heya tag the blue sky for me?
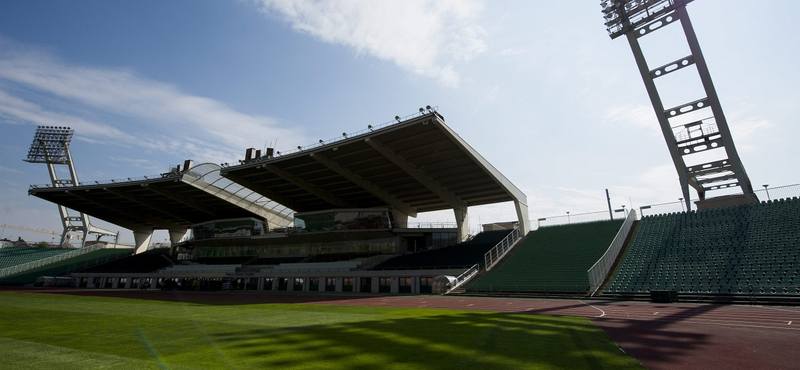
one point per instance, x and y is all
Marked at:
(537, 87)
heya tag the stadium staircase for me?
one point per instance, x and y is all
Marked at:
(746, 253)
(550, 261)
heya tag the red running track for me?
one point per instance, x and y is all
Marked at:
(660, 336)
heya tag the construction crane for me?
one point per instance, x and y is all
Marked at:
(32, 229)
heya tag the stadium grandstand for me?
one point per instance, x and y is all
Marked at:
(354, 236)
(328, 217)
(334, 216)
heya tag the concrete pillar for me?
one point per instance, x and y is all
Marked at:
(415, 285)
(176, 236)
(395, 287)
(322, 284)
(260, 284)
(142, 239)
(400, 218)
(114, 283)
(154, 282)
(275, 283)
(128, 282)
(522, 216)
(376, 287)
(462, 223)
(338, 286)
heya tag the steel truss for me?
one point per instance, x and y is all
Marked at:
(51, 147)
(702, 149)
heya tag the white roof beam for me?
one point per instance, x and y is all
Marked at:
(309, 187)
(366, 185)
(434, 186)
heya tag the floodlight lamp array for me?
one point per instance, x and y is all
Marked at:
(50, 145)
(622, 16)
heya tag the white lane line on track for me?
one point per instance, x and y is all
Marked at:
(780, 309)
(601, 315)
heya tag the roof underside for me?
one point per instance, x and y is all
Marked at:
(173, 202)
(415, 166)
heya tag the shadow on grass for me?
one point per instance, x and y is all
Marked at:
(426, 340)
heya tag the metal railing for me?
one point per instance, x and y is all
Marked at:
(345, 136)
(764, 194)
(575, 218)
(465, 277)
(501, 249)
(49, 260)
(426, 225)
(598, 272)
(112, 181)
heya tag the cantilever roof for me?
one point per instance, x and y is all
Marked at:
(172, 201)
(418, 165)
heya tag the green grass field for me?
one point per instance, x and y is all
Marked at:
(39, 331)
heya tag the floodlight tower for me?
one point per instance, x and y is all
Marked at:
(696, 131)
(51, 147)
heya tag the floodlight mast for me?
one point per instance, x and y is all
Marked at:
(51, 147)
(718, 167)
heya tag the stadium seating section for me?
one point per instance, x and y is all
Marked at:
(550, 259)
(462, 255)
(149, 261)
(13, 256)
(746, 249)
(68, 265)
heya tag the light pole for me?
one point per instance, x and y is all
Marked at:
(767, 190)
(680, 200)
(568, 221)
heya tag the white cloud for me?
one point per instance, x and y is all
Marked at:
(16, 110)
(165, 118)
(639, 117)
(746, 133)
(9, 170)
(426, 37)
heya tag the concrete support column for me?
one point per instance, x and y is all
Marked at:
(395, 287)
(142, 239)
(415, 285)
(176, 236)
(153, 282)
(339, 284)
(522, 216)
(260, 285)
(400, 218)
(462, 223)
(128, 282)
(275, 283)
(322, 284)
(376, 284)
(114, 283)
